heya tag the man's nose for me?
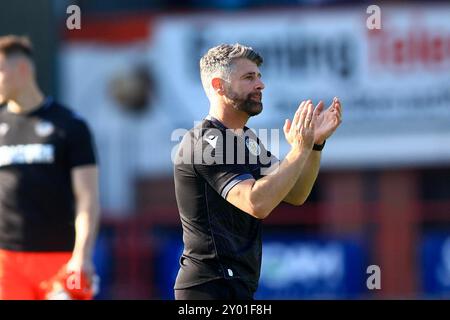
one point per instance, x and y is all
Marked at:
(260, 85)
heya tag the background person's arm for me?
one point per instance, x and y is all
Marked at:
(85, 186)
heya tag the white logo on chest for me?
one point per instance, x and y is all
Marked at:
(4, 128)
(253, 146)
(44, 128)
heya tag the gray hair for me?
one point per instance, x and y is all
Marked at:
(219, 61)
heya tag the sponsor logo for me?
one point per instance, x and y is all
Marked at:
(212, 140)
(27, 154)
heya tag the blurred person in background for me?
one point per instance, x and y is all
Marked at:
(221, 203)
(49, 210)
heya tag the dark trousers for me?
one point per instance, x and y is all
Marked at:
(220, 289)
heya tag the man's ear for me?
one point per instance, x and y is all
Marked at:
(24, 67)
(217, 86)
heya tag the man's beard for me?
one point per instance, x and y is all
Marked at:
(247, 104)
